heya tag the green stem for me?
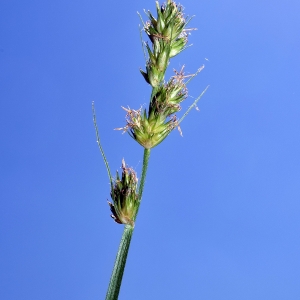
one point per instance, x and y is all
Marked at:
(117, 274)
(143, 178)
(144, 172)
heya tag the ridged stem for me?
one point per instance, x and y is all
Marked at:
(117, 274)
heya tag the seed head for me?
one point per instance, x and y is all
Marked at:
(125, 197)
(168, 36)
(150, 129)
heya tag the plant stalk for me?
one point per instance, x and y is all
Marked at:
(144, 172)
(120, 262)
(117, 274)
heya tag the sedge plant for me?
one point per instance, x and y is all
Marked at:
(168, 37)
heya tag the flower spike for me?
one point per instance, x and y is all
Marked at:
(125, 197)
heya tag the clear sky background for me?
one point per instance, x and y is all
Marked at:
(221, 206)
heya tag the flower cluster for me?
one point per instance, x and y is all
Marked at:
(151, 129)
(168, 36)
(124, 196)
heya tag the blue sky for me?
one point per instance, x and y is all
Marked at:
(220, 212)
